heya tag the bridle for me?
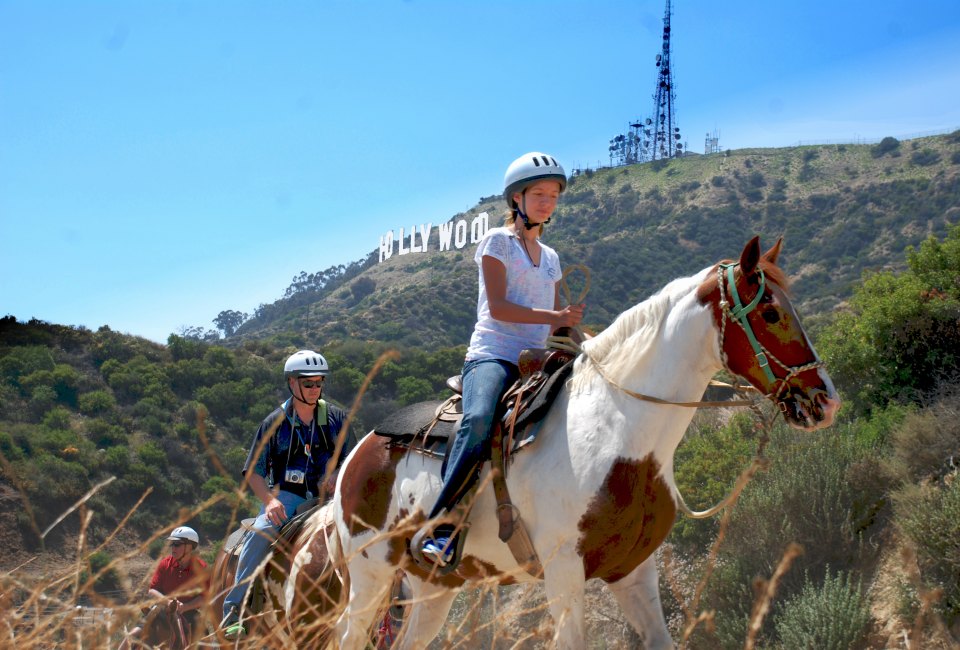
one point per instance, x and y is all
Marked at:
(738, 314)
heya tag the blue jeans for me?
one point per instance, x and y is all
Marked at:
(484, 381)
(255, 549)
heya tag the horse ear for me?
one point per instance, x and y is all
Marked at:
(772, 254)
(750, 256)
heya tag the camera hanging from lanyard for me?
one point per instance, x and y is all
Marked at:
(296, 471)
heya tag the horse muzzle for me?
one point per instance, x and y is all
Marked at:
(809, 410)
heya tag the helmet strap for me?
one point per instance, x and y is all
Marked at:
(299, 398)
(523, 215)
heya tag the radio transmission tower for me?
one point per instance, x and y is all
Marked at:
(665, 142)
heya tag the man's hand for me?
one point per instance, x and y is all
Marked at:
(276, 513)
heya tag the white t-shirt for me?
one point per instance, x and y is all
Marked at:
(527, 285)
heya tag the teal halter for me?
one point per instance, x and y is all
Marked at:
(739, 313)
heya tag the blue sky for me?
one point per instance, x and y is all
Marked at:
(163, 161)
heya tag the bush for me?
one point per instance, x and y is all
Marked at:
(925, 157)
(42, 399)
(96, 402)
(885, 146)
(414, 389)
(929, 516)
(25, 360)
(808, 496)
(707, 464)
(57, 418)
(900, 340)
(110, 579)
(833, 616)
(104, 434)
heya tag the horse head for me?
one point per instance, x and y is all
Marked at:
(162, 627)
(762, 340)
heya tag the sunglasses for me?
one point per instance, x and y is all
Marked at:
(312, 384)
(177, 544)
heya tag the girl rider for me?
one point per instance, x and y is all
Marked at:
(518, 307)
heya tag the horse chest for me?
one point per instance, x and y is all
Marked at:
(626, 520)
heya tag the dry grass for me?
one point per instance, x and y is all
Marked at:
(63, 609)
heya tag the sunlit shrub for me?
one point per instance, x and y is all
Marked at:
(96, 402)
(929, 515)
(834, 615)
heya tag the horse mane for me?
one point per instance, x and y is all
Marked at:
(621, 346)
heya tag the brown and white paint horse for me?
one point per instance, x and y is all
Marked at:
(596, 490)
(301, 587)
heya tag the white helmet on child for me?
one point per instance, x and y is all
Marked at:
(185, 534)
(529, 169)
(305, 363)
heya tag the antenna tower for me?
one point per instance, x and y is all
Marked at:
(663, 126)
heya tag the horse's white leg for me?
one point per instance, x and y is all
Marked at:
(369, 584)
(639, 596)
(564, 583)
(425, 617)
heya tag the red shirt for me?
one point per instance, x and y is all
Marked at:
(171, 576)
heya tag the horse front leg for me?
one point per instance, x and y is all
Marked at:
(425, 616)
(638, 594)
(564, 583)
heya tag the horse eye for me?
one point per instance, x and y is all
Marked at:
(771, 316)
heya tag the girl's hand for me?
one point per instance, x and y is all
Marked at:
(569, 316)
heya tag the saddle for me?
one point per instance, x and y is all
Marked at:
(288, 530)
(428, 428)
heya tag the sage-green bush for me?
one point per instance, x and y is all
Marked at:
(834, 615)
(929, 516)
(811, 495)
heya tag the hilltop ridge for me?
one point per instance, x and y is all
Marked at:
(842, 210)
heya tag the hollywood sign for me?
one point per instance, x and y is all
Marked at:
(450, 235)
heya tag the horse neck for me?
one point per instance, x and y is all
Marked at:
(665, 347)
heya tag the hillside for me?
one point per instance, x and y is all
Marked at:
(842, 209)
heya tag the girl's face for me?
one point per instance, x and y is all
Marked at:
(539, 200)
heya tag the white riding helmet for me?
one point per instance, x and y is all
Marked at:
(527, 170)
(305, 363)
(185, 533)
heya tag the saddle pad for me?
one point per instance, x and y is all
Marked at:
(235, 540)
(413, 420)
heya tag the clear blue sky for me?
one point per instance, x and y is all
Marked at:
(163, 161)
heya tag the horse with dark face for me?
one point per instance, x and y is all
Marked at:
(596, 489)
(163, 627)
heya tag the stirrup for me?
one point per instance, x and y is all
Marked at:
(416, 546)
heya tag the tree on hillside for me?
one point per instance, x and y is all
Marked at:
(229, 320)
(901, 338)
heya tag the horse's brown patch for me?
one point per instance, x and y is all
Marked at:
(318, 586)
(626, 520)
(368, 483)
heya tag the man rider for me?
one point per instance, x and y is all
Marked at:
(301, 438)
(181, 576)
